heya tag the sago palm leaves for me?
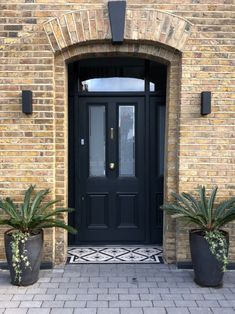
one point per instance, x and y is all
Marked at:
(33, 214)
(202, 211)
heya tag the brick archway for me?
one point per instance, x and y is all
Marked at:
(148, 34)
(141, 24)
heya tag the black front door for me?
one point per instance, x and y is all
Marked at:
(110, 169)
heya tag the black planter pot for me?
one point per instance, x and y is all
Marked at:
(207, 269)
(33, 246)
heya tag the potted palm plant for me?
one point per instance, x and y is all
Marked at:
(208, 242)
(24, 241)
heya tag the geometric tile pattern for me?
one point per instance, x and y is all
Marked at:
(115, 255)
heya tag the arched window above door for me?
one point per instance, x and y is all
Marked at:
(120, 75)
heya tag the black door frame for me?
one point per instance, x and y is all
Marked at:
(73, 101)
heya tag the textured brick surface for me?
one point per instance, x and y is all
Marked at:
(195, 38)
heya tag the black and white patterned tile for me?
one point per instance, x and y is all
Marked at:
(115, 255)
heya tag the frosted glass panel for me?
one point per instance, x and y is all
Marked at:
(97, 141)
(126, 140)
(113, 84)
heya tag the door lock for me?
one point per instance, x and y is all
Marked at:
(111, 165)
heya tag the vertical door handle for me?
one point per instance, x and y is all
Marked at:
(111, 133)
(111, 165)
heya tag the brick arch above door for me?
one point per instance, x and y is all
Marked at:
(141, 24)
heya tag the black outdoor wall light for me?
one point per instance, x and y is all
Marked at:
(27, 101)
(117, 14)
(205, 103)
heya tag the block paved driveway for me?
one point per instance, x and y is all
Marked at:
(116, 289)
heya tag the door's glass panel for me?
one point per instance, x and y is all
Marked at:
(127, 141)
(97, 141)
(113, 84)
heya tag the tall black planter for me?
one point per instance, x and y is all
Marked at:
(207, 269)
(34, 246)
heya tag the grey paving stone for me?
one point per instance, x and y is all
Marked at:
(38, 311)
(164, 303)
(131, 311)
(228, 310)
(60, 279)
(23, 297)
(184, 303)
(31, 304)
(48, 285)
(77, 291)
(119, 304)
(107, 297)
(97, 291)
(85, 311)
(65, 297)
(108, 311)
(118, 291)
(193, 296)
(99, 279)
(154, 310)
(93, 285)
(53, 304)
(141, 303)
(44, 297)
(15, 311)
(6, 297)
(56, 291)
(210, 303)
(108, 285)
(77, 304)
(200, 310)
(9, 304)
(214, 296)
(138, 290)
(129, 297)
(117, 279)
(87, 297)
(62, 311)
(227, 303)
(97, 304)
(173, 296)
(150, 297)
(179, 310)
(36, 291)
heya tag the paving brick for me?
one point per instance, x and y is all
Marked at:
(180, 310)
(30, 304)
(64, 297)
(77, 304)
(87, 297)
(22, 297)
(108, 311)
(15, 311)
(44, 297)
(154, 310)
(39, 311)
(119, 304)
(108, 297)
(62, 311)
(212, 303)
(97, 303)
(201, 310)
(53, 304)
(141, 304)
(228, 310)
(184, 303)
(85, 311)
(131, 311)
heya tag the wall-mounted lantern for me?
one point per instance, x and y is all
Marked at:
(27, 101)
(205, 103)
(117, 15)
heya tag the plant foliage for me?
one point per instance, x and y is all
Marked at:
(208, 217)
(202, 211)
(34, 213)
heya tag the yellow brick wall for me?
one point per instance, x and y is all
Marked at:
(200, 150)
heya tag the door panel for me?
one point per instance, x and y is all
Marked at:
(111, 176)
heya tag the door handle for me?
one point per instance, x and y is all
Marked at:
(111, 133)
(111, 165)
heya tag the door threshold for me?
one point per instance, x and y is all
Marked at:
(115, 254)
